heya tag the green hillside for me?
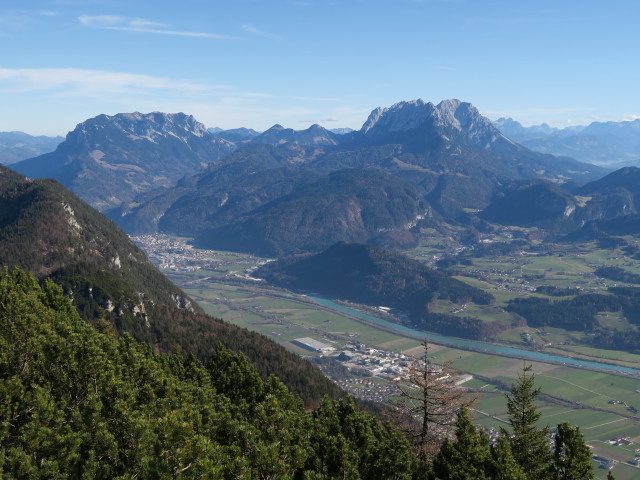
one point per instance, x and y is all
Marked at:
(46, 230)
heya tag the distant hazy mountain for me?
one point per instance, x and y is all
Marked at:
(314, 135)
(517, 132)
(17, 146)
(109, 159)
(341, 131)
(235, 135)
(451, 152)
(611, 144)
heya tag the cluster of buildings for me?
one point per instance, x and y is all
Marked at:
(381, 363)
(171, 253)
(373, 373)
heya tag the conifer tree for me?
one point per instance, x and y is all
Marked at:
(469, 457)
(504, 465)
(529, 443)
(572, 458)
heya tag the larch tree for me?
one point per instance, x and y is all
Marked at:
(432, 401)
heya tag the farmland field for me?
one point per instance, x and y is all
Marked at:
(603, 404)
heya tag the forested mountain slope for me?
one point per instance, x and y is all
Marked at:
(77, 403)
(51, 233)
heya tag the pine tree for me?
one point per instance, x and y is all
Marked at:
(469, 457)
(572, 458)
(529, 443)
(504, 465)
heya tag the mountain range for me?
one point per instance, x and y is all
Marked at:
(610, 144)
(604, 207)
(109, 159)
(17, 146)
(284, 191)
(299, 191)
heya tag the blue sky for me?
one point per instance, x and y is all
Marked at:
(254, 63)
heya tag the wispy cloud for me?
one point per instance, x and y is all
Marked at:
(325, 120)
(247, 27)
(115, 22)
(77, 82)
(631, 116)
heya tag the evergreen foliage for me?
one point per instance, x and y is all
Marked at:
(571, 458)
(469, 457)
(47, 231)
(77, 403)
(529, 443)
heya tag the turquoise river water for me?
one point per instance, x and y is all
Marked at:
(475, 345)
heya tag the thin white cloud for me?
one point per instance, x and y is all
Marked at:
(115, 22)
(631, 116)
(247, 27)
(77, 81)
(332, 119)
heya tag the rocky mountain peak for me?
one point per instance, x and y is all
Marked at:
(408, 116)
(401, 116)
(153, 127)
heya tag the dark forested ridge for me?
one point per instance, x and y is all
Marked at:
(347, 205)
(374, 276)
(46, 230)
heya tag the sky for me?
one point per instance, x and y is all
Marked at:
(254, 63)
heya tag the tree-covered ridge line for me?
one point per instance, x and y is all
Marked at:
(49, 232)
(79, 403)
(372, 275)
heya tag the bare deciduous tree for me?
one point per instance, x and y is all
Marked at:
(432, 399)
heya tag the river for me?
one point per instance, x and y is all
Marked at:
(476, 345)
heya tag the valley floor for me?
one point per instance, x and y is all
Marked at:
(603, 404)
